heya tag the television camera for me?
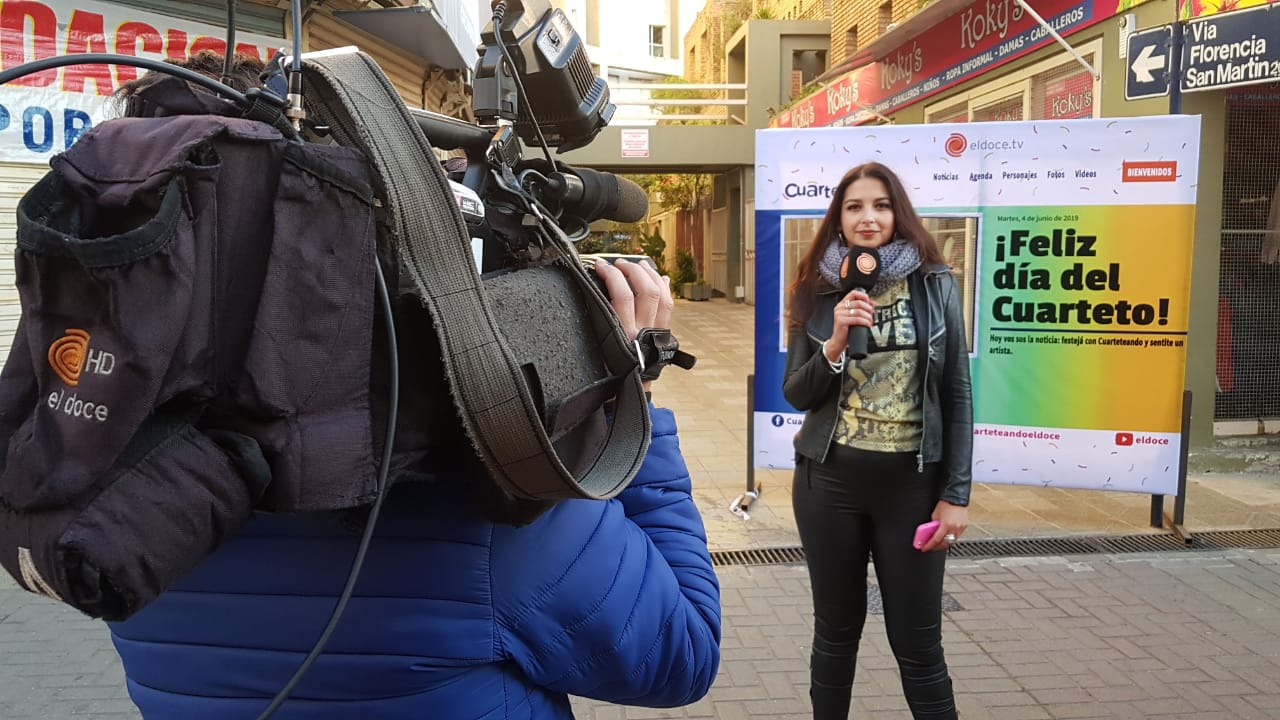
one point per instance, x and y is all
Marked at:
(531, 49)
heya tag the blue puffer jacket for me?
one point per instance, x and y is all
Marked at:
(453, 618)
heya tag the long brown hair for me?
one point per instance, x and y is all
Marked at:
(245, 72)
(906, 224)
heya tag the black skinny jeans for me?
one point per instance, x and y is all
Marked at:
(861, 504)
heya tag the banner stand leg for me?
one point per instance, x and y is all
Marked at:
(1180, 502)
(1159, 518)
(742, 503)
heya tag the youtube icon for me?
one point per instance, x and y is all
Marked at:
(1124, 438)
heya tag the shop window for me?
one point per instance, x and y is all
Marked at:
(1062, 93)
(1009, 109)
(954, 114)
(1249, 269)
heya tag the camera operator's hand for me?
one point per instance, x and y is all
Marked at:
(640, 296)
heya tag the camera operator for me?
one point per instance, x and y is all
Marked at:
(455, 615)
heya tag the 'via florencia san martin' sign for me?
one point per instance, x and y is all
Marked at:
(1232, 49)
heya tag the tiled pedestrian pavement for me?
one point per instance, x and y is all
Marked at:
(1088, 637)
(1192, 636)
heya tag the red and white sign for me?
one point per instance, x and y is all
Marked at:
(1070, 97)
(1149, 171)
(1000, 112)
(43, 113)
(635, 143)
(985, 35)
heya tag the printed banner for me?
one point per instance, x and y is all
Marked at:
(1072, 242)
(42, 114)
(1188, 9)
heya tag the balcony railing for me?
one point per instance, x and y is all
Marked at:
(679, 103)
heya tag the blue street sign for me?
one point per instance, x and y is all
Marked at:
(1240, 47)
(1149, 55)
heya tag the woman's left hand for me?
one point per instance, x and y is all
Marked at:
(953, 520)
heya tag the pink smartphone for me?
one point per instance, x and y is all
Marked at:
(923, 533)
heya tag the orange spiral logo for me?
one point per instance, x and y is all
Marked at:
(956, 145)
(866, 263)
(66, 355)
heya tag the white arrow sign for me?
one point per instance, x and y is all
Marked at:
(1145, 63)
(1148, 52)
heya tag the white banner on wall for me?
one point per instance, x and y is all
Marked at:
(42, 114)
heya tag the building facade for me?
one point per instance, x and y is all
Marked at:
(792, 9)
(707, 38)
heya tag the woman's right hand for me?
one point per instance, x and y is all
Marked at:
(853, 309)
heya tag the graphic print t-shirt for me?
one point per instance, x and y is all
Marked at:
(880, 406)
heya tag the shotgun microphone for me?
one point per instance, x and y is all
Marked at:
(595, 194)
(859, 269)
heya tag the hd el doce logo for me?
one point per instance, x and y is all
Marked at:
(70, 358)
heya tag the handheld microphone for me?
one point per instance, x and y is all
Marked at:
(859, 269)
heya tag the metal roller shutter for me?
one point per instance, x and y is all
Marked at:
(15, 180)
(407, 72)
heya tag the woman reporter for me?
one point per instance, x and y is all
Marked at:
(886, 443)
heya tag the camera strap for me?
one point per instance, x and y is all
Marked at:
(489, 388)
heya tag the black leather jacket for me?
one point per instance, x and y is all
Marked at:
(809, 384)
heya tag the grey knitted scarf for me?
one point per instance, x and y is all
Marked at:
(898, 259)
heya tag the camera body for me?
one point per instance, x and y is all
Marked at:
(550, 63)
(532, 83)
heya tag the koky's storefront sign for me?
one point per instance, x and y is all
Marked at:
(984, 35)
(43, 113)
